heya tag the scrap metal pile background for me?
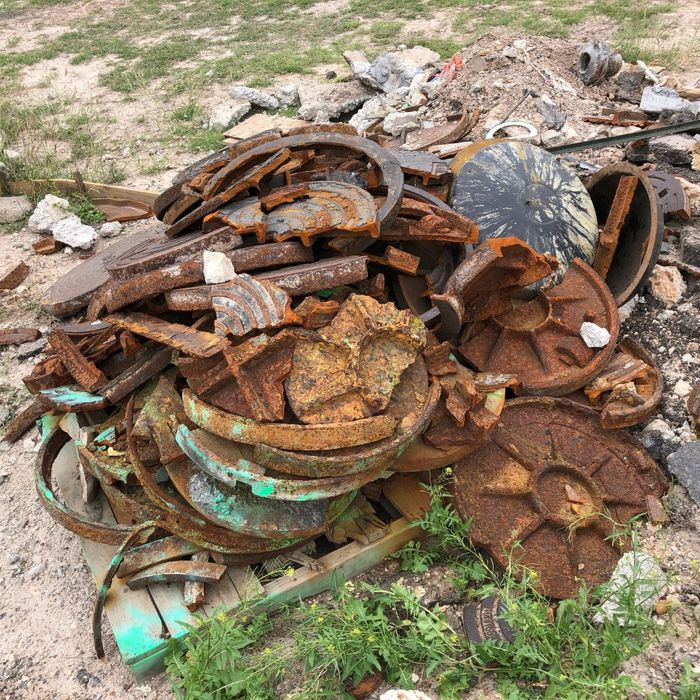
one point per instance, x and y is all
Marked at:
(321, 312)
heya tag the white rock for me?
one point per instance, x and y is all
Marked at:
(682, 388)
(255, 97)
(656, 99)
(625, 311)
(520, 44)
(14, 208)
(224, 116)
(398, 694)
(369, 113)
(288, 95)
(395, 69)
(12, 154)
(72, 232)
(667, 285)
(217, 267)
(110, 228)
(659, 425)
(323, 101)
(396, 122)
(49, 211)
(593, 335)
(637, 577)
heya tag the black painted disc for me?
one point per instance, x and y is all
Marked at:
(512, 188)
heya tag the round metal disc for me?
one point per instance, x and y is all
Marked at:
(551, 480)
(511, 188)
(540, 340)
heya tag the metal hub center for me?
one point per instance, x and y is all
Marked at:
(564, 494)
(527, 315)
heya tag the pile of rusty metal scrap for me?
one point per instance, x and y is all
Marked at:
(316, 316)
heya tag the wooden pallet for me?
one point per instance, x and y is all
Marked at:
(143, 620)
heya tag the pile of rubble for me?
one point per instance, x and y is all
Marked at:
(323, 310)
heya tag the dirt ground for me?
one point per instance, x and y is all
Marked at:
(46, 589)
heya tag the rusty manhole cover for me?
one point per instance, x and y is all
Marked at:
(551, 480)
(540, 340)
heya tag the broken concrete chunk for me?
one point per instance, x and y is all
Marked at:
(330, 100)
(217, 267)
(14, 208)
(27, 350)
(637, 577)
(683, 464)
(74, 233)
(594, 336)
(395, 69)
(667, 285)
(49, 211)
(255, 97)
(657, 99)
(13, 274)
(225, 116)
(676, 149)
(358, 62)
(288, 95)
(629, 84)
(110, 228)
(398, 122)
(369, 114)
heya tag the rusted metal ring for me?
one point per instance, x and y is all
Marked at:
(392, 174)
(55, 441)
(639, 241)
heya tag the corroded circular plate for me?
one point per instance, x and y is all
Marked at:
(551, 480)
(540, 340)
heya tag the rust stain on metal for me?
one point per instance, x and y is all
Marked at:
(628, 390)
(17, 336)
(84, 372)
(352, 369)
(514, 490)
(540, 341)
(173, 571)
(485, 283)
(259, 367)
(156, 552)
(609, 235)
(175, 335)
(287, 436)
(315, 313)
(694, 407)
(396, 259)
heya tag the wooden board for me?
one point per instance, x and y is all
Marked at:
(143, 620)
(92, 189)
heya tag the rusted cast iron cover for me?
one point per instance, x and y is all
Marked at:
(351, 371)
(237, 509)
(74, 290)
(511, 188)
(540, 340)
(640, 238)
(551, 480)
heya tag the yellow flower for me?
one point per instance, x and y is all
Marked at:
(356, 631)
(454, 638)
(371, 638)
(289, 571)
(448, 471)
(320, 619)
(267, 651)
(330, 647)
(221, 617)
(313, 606)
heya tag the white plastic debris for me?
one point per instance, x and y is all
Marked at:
(74, 233)
(593, 335)
(637, 581)
(217, 267)
(49, 211)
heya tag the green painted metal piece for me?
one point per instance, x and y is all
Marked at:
(72, 399)
(47, 423)
(237, 509)
(230, 463)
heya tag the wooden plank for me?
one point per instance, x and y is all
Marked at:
(407, 495)
(93, 189)
(135, 623)
(339, 566)
(246, 582)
